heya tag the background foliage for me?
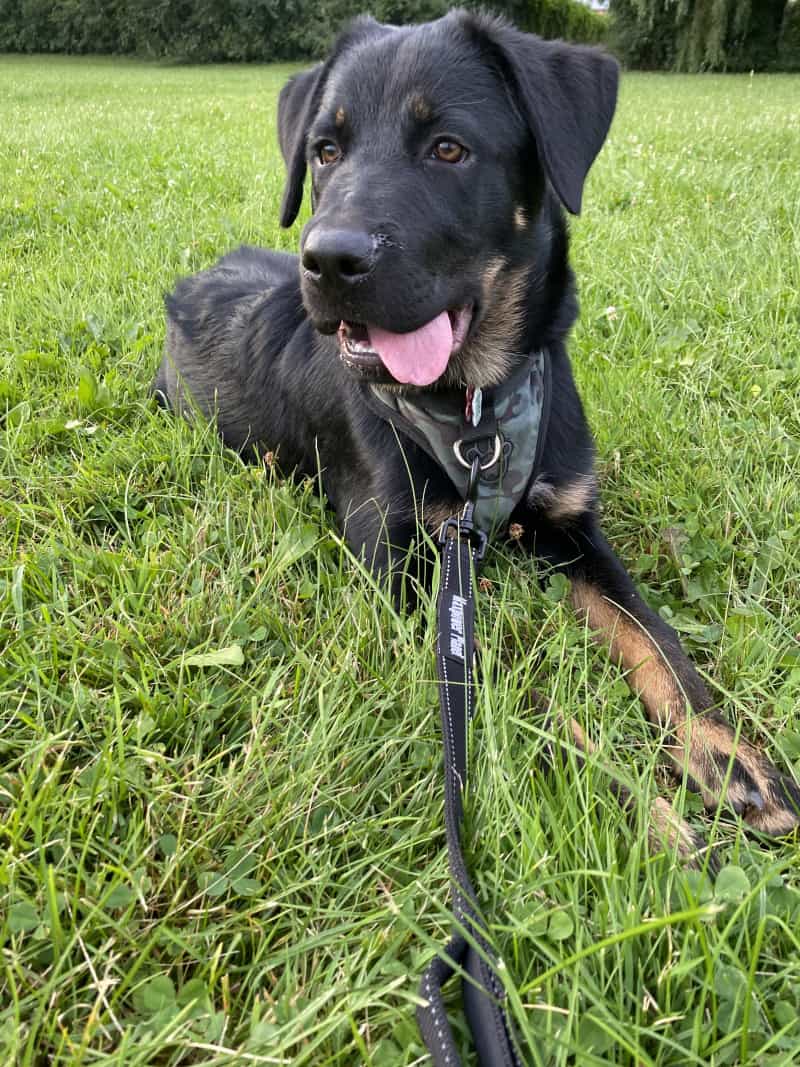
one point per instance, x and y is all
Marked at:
(696, 35)
(243, 29)
(690, 35)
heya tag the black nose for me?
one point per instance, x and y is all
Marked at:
(338, 255)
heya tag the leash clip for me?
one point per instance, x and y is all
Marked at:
(462, 528)
(462, 525)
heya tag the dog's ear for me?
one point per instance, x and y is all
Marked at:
(566, 93)
(298, 104)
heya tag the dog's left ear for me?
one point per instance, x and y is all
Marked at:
(566, 93)
(299, 102)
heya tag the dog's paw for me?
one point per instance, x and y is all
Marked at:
(667, 831)
(767, 800)
(737, 774)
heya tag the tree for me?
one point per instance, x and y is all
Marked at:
(704, 34)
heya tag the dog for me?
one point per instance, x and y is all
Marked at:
(434, 272)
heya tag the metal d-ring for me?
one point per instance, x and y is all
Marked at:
(498, 451)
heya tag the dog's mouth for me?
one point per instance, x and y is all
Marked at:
(418, 357)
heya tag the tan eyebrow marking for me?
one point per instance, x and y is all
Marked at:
(420, 108)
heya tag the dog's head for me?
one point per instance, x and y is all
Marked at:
(431, 149)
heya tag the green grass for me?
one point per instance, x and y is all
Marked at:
(240, 859)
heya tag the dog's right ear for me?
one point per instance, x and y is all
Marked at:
(298, 104)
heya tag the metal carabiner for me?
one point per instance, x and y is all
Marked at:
(498, 451)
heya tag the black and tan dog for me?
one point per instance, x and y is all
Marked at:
(434, 265)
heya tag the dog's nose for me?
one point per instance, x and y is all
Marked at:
(335, 255)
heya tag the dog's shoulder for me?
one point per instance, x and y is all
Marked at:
(242, 277)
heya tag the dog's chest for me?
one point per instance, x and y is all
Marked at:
(504, 438)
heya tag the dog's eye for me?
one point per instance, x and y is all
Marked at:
(328, 152)
(449, 151)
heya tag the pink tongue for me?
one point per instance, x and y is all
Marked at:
(419, 357)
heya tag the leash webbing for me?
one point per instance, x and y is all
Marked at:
(462, 547)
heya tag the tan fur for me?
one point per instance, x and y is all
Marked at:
(703, 744)
(437, 512)
(571, 500)
(419, 106)
(488, 357)
(340, 117)
(579, 737)
(520, 219)
(667, 830)
(648, 674)
(714, 754)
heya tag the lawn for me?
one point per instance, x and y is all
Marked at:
(220, 796)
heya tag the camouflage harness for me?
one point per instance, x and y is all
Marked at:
(503, 428)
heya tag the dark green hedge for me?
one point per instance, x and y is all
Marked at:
(557, 18)
(203, 30)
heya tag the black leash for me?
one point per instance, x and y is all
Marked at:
(462, 547)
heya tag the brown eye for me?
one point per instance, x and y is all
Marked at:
(328, 152)
(449, 152)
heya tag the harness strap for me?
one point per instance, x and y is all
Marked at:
(462, 548)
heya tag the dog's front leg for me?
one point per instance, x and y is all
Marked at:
(700, 743)
(382, 538)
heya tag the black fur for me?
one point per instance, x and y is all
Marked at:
(407, 236)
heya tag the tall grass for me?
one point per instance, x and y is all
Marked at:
(220, 791)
